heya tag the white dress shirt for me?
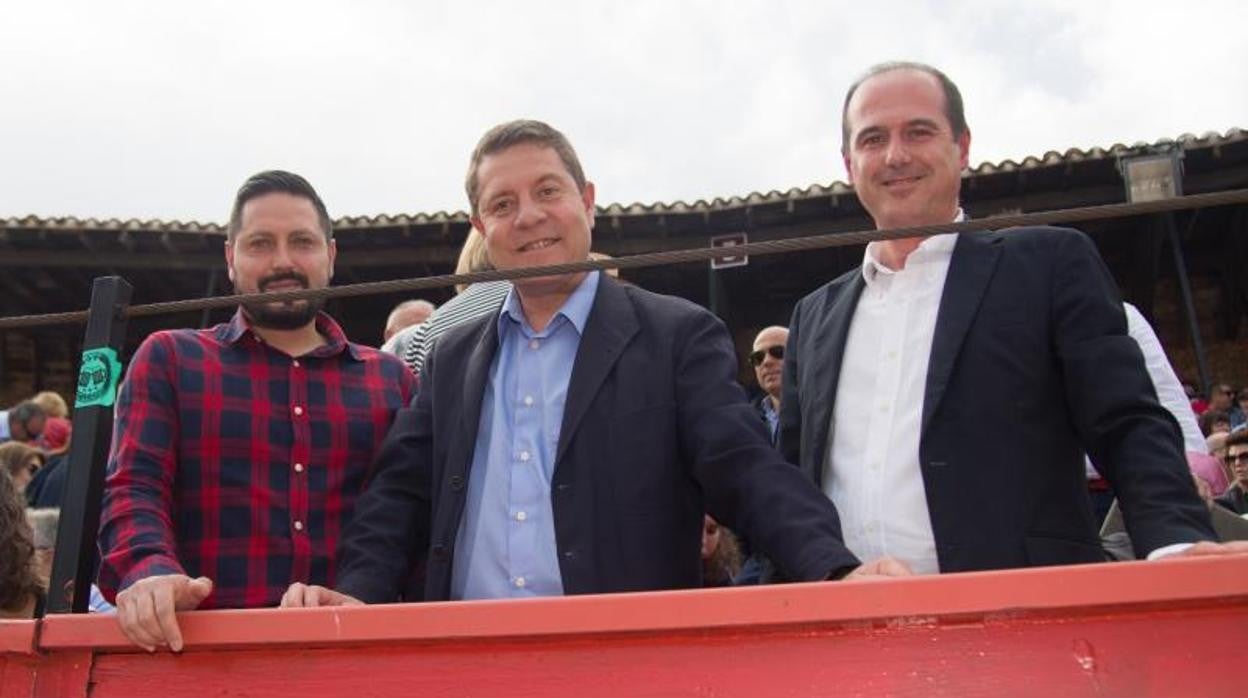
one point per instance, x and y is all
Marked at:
(1169, 390)
(873, 474)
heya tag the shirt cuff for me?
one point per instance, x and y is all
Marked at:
(1169, 550)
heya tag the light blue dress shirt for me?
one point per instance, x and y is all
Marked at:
(506, 543)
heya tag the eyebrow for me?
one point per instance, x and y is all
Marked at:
(549, 176)
(930, 123)
(269, 233)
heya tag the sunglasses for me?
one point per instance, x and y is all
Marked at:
(757, 357)
(1237, 458)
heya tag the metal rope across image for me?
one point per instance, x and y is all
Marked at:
(698, 254)
(1127, 628)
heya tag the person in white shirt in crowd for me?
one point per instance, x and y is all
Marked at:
(1171, 395)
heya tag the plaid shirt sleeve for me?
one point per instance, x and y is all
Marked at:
(136, 529)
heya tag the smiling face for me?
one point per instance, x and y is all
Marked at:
(532, 213)
(280, 246)
(901, 155)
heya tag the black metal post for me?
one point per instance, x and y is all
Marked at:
(99, 374)
(712, 290)
(205, 316)
(1189, 307)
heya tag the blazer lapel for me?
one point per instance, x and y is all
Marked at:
(970, 269)
(476, 373)
(611, 324)
(825, 347)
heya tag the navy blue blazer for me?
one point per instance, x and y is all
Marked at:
(656, 431)
(1031, 365)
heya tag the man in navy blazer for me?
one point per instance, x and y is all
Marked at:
(943, 393)
(518, 473)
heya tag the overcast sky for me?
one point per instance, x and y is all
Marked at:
(161, 109)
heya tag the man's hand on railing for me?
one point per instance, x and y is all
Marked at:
(880, 569)
(301, 595)
(146, 608)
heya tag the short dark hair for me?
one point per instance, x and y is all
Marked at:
(277, 181)
(511, 133)
(1237, 437)
(1211, 417)
(25, 411)
(954, 111)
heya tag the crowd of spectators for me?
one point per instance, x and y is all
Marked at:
(34, 446)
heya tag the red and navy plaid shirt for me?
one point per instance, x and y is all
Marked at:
(234, 461)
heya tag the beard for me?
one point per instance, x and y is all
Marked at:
(283, 315)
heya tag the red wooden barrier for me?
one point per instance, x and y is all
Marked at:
(1165, 628)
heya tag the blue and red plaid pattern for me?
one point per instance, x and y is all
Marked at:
(234, 461)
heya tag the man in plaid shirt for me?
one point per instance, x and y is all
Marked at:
(238, 451)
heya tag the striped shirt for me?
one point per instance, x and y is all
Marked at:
(480, 299)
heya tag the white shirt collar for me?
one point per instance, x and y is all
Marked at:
(936, 247)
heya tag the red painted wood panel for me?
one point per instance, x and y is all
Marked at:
(1135, 655)
(1175, 627)
(17, 657)
(1060, 590)
(17, 637)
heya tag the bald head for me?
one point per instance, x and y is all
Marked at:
(767, 358)
(406, 314)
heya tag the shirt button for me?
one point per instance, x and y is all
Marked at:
(298, 525)
(528, 400)
(295, 363)
(524, 456)
(521, 516)
(533, 344)
(298, 410)
(298, 467)
(519, 582)
(872, 527)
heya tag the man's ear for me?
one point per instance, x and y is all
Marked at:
(333, 255)
(588, 195)
(849, 170)
(964, 148)
(229, 259)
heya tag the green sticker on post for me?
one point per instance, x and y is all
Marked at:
(98, 378)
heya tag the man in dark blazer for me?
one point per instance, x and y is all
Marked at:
(648, 429)
(943, 394)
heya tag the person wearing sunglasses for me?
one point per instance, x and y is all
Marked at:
(21, 461)
(23, 422)
(1236, 496)
(767, 359)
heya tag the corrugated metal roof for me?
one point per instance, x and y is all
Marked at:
(1188, 141)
